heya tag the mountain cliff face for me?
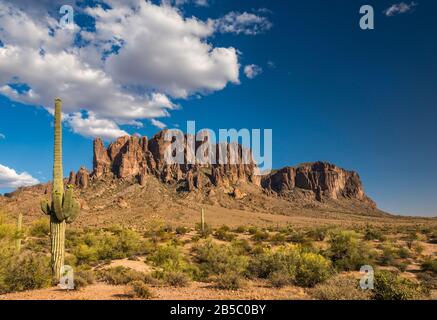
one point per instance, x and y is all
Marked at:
(136, 159)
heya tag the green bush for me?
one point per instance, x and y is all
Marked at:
(296, 236)
(83, 278)
(429, 264)
(101, 245)
(278, 238)
(391, 286)
(284, 259)
(26, 272)
(260, 236)
(312, 269)
(318, 234)
(241, 229)
(224, 234)
(229, 281)
(169, 258)
(389, 255)
(252, 230)
(340, 288)
(120, 275)
(141, 290)
(373, 234)
(404, 253)
(347, 251)
(279, 279)
(181, 230)
(206, 231)
(214, 259)
(176, 279)
(40, 228)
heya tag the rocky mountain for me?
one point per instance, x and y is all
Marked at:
(131, 184)
(134, 159)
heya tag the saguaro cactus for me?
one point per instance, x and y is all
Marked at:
(63, 208)
(19, 234)
(202, 221)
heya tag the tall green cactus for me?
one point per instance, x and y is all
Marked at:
(63, 208)
(202, 221)
(19, 233)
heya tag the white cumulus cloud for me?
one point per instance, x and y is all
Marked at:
(252, 70)
(243, 23)
(140, 57)
(9, 178)
(158, 124)
(399, 8)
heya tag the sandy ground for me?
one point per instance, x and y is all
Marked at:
(195, 291)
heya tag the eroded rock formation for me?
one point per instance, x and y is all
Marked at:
(138, 158)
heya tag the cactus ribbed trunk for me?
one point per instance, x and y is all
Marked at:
(57, 228)
(58, 183)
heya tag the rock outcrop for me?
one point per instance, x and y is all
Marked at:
(325, 180)
(138, 158)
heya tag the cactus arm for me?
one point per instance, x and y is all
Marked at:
(45, 207)
(70, 207)
(73, 211)
(57, 206)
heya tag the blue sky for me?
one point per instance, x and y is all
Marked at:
(364, 100)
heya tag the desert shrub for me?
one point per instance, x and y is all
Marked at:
(242, 245)
(102, 245)
(170, 261)
(402, 266)
(40, 228)
(181, 230)
(278, 238)
(214, 259)
(83, 278)
(241, 229)
(410, 239)
(429, 264)
(252, 230)
(120, 275)
(206, 231)
(312, 269)
(26, 272)
(373, 234)
(389, 255)
(141, 290)
(391, 286)
(340, 288)
(279, 279)
(418, 248)
(296, 236)
(404, 253)
(260, 235)
(224, 234)
(229, 281)
(347, 251)
(284, 259)
(318, 234)
(176, 279)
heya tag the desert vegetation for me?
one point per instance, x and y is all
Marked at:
(323, 263)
